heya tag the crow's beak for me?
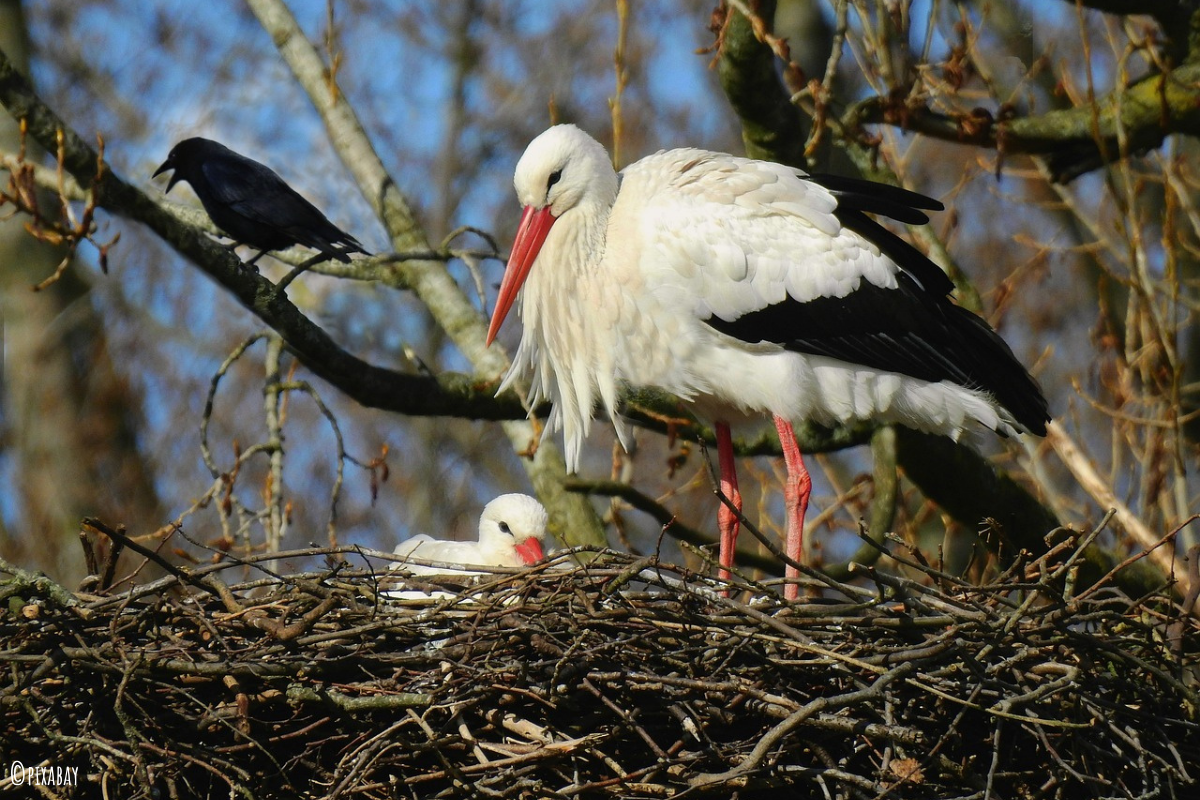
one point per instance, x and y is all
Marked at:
(166, 165)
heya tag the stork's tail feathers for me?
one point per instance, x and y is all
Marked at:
(1013, 388)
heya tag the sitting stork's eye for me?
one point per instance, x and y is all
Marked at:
(504, 527)
(554, 178)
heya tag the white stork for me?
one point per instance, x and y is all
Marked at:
(511, 529)
(743, 287)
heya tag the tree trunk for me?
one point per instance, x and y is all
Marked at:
(70, 442)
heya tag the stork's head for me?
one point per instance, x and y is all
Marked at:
(514, 522)
(562, 170)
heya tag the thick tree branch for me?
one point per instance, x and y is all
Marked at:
(428, 279)
(1074, 140)
(1174, 10)
(1176, 17)
(770, 129)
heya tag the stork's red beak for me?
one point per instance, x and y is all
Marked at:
(531, 234)
(530, 551)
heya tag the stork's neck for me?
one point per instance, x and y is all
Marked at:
(585, 229)
(589, 216)
(566, 339)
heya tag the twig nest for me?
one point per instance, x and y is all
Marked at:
(619, 679)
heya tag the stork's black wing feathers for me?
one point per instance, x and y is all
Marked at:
(912, 329)
(857, 198)
(878, 198)
(901, 330)
(909, 258)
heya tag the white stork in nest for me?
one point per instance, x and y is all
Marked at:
(511, 530)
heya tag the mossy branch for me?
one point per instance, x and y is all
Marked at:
(1074, 140)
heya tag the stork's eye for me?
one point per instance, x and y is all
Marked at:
(554, 178)
(505, 529)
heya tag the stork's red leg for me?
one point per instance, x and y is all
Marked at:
(727, 521)
(796, 493)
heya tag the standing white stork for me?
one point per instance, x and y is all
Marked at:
(511, 529)
(742, 287)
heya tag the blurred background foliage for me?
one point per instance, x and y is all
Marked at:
(1093, 282)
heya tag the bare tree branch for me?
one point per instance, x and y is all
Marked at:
(1075, 140)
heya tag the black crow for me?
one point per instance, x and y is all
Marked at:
(251, 204)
